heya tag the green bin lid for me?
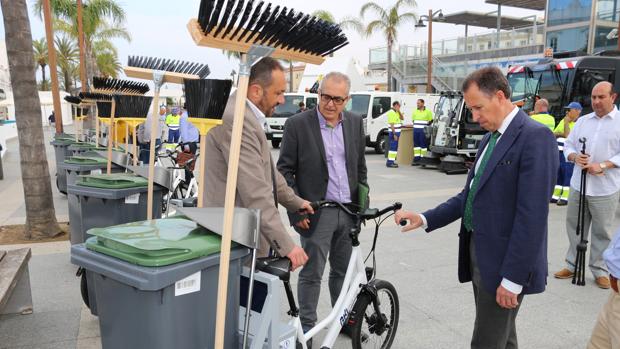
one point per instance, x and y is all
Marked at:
(155, 243)
(85, 160)
(82, 145)
(112, 181)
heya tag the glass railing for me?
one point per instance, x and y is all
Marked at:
(522, 37)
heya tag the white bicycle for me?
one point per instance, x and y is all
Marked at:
(369, 306)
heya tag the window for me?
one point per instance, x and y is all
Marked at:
(481, 48)
(310, 102)
(568, 11)
(601, 41)
(523, 42)
(508, 44)
(358, 104)
(573, 39)
(608, 10)
(380, 105)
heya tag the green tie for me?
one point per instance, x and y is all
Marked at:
(467, 217)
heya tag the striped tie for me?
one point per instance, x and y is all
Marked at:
(467, 217)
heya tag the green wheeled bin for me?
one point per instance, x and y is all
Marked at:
(101, 200)
(154, 284)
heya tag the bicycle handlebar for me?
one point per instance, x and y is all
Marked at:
(369, 213)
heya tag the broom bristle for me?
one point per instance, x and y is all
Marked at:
(173, 66)
(73, 99)
(95, 96)
(206, 98)
(117, 85)
(277, 28)
(132, 106)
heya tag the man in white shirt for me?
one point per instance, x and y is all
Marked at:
(601, 129)
(504, 210)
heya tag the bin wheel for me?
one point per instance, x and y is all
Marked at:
(275, 143)
(58, 187)
(84, 290)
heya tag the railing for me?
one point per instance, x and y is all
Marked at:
(515, 38)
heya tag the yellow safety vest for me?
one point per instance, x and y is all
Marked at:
(421, 118)
(173, 121)
(394, 119)
(545, 119)
(560, 128)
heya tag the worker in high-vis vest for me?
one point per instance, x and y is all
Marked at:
(173, 121)
(565, 171)
(542, 115)
(422, 117)
(395, 118)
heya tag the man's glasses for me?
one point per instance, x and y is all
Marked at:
(336, 99)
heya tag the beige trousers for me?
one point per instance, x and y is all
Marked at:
(606, 333)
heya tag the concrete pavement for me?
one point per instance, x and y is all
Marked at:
(435, 310)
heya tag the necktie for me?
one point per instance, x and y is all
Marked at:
(467, 217)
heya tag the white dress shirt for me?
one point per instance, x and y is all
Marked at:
(602, 144)
(507, 284)
(260, 116)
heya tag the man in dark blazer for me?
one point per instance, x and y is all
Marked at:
(322, 158)
(504, 208)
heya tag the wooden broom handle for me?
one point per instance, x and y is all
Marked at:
(201, 160)
(111, 136)
(229, 206)
(152, 155)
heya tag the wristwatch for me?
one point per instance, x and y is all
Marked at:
(603, 166)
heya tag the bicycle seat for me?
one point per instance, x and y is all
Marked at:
(276, 266)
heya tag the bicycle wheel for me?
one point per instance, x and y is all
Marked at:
(372, 329)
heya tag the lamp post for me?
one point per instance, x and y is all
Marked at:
(429, 54)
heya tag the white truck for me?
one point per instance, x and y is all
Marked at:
(374, 105)
(274, 127)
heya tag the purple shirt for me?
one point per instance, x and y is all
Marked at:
(333, 142)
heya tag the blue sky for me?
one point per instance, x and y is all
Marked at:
(158, 28)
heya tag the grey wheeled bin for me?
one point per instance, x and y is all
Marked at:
(61, 152)
(155, 284)
(80, 165)
(102, 200)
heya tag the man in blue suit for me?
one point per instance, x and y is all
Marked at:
(504, 208)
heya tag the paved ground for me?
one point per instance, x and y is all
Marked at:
(435, 310)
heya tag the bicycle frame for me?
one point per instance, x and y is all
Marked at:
(355, 276)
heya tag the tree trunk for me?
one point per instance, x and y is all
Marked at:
(43, 84)
(40, 214)
(67, 78)
(389, 66)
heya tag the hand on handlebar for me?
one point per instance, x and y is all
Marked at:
(413, 219)
(304, 224)
(306, 208)
(298, 257)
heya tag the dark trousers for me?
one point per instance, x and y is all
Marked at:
(330, 239)
(145, 150)
(173, 135)
(495, 326)
(420, 148)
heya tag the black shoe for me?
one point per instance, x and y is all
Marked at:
(562, 202)
(393, 166)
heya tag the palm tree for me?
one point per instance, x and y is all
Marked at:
(103, 20)
(387, 23)
(68, 55)
(40, 213)
(108, 65)
(40, 57)
(345, 23)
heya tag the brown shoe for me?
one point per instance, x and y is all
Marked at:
(603, 282)
(564, 274)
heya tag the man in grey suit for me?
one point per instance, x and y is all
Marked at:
(259, 184)
(322, 158)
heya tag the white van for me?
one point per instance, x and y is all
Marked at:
(274, 128)
(374, 105)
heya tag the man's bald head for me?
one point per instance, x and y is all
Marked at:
(541, 106)
(603, 98)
